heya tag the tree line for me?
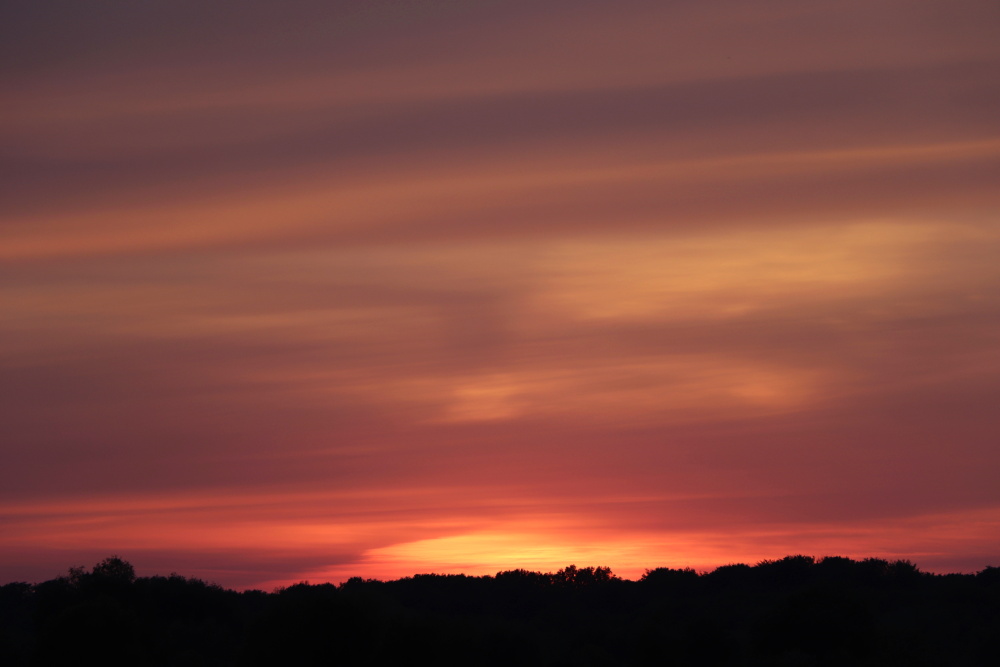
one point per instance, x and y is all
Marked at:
(794, 611)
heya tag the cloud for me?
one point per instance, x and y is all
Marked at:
(355, 287)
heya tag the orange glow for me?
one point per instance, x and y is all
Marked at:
(549, 544)
(366, 289)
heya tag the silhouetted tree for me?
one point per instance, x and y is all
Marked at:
(575, 577)
(114, 569)
(794, 610)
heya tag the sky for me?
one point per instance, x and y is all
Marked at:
(309, 290)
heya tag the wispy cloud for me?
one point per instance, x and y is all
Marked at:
(373, 289)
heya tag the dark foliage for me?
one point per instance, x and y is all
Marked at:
(793, 611)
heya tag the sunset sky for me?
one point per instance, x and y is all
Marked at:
(311, 290)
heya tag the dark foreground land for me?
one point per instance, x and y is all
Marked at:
(794, 611)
